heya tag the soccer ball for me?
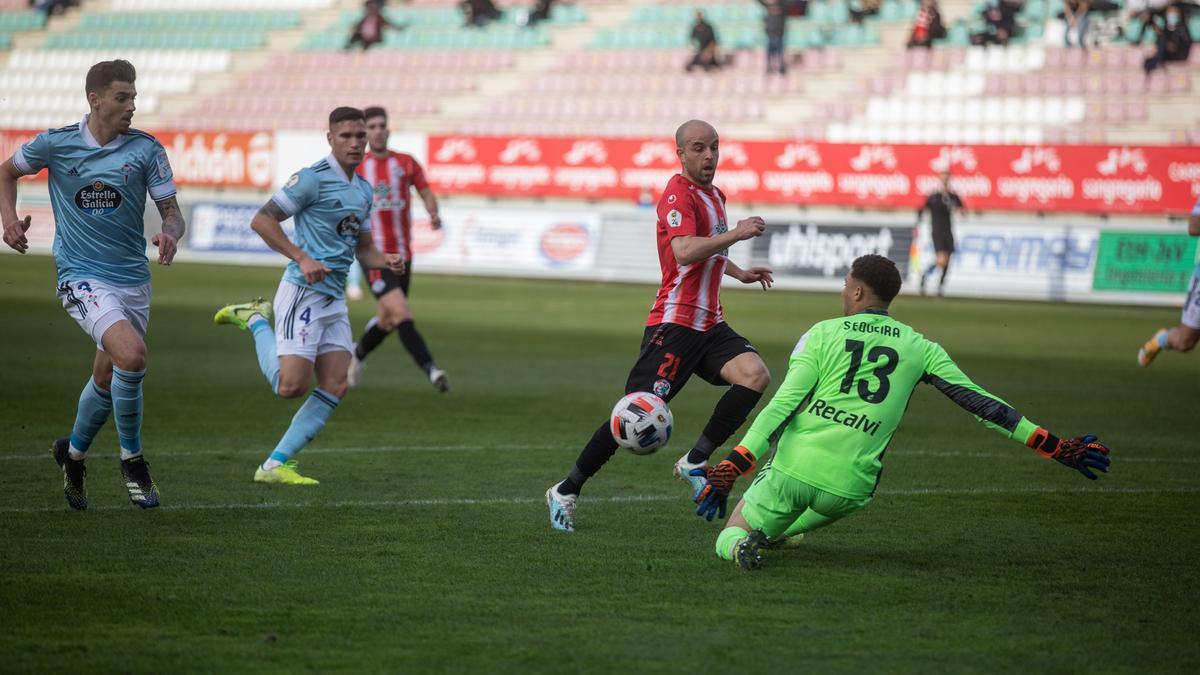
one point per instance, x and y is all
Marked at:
(641, 423)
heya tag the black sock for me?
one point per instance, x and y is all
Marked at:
(599, 449)
(730, 412)
(415, 344)
(702, 450)
(942, 279)
(370, 339)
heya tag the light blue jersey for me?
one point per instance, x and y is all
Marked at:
(331, 210)
(98, 195)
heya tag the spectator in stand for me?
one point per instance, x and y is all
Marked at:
(540, 12)
(369, 30)
(927, 27)
(706, 45)
(1145, 11)
(859, 9)
(1174, 42)
(1000, 24)
(479, 12)
(1075, 15)
(775, 26)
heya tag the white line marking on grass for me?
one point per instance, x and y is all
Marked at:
(255, 452)
(617, 499)
(1119, 458)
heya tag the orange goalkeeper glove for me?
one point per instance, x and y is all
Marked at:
(1082, 453)
(713, 498)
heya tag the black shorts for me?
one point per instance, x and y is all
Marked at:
(943, 239)
(672, 353)
(382, 281)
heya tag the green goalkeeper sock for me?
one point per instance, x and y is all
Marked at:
(728, 540)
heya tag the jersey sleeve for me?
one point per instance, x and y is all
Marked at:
(418, 176)
(298, 193)
(944, 374)
(797, 386)
(677, 214)
(160, 180)
(958, 202)
(34, 155)
(369, 195)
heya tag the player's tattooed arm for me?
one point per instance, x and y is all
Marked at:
(173, 228)
(272, 211)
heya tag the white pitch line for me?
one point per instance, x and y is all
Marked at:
(1119, 458)
(618, 499)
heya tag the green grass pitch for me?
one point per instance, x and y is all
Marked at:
(427, 546)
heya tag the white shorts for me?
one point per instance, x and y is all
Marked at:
(1191, 305)
(96, 306)
(308, 323)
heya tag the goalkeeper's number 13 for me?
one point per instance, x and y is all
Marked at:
(881, 372)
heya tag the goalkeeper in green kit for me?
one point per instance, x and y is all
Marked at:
(847, 387)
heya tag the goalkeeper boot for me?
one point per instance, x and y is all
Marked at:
(562, 509)
(239, 315)
(142, 490)
(684, 469)
(783, 542)
(73, 474)
(746, 551)
(284, 474)
(1151, 349)
(354, 372)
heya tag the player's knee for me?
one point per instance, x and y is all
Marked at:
(291, 389)
(338, 389)
(132, 359)
(757, 377)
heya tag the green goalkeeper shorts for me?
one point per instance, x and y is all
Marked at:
(779, 504)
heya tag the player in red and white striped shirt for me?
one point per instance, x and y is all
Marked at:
(392, 176)
(686, 331)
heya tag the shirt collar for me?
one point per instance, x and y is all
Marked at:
(880, 312)
(89, 139)
(337, 168)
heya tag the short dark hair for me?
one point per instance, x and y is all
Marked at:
(879, 273)
(101, 75)
(345, 114)
(374, 111)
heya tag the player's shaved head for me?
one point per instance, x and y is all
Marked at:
(693, 129)
(698, 148)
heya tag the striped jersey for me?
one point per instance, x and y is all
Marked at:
(690, 295)
(98, 195)
(392, 178)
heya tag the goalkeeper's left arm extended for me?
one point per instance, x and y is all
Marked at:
(1082, 453)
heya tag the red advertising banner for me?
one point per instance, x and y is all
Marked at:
(1092, 179)
(207, 158)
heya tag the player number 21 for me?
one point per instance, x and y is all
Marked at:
(881, 372)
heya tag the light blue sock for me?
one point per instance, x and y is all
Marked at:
(95, 405)
(305, 425)
(1162, 340)
(127, 404)
(264, 344)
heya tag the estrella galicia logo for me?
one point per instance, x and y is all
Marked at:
(348, 227)
(98, 199)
